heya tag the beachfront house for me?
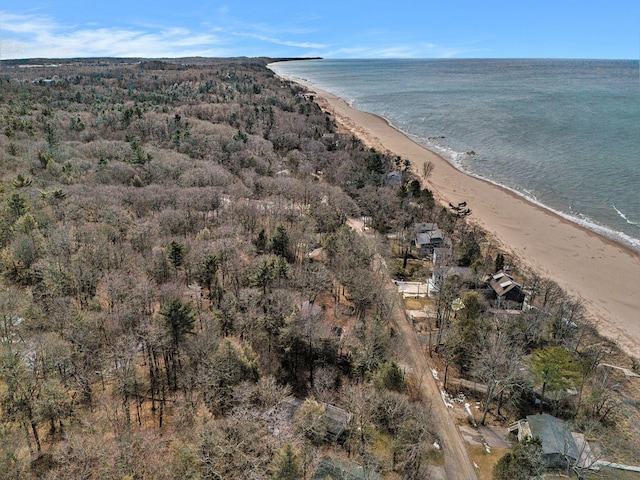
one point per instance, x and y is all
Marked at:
(560, 446)
(440, 273)
(428, 237)
(392, 179)
(506, 292)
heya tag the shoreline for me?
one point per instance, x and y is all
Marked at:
(618, 238)
(602, 273)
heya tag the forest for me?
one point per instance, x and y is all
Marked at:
(182, 296)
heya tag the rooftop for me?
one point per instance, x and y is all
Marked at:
(555, 435)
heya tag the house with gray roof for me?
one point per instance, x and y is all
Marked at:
(559, 444)
(428, 237)
(334, 468)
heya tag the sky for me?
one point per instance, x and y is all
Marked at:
(597, 29)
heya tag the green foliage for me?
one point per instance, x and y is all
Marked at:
(208, 271)
(280, 244)
(427, 199)
(241, 137)
(269, 270)
(470, 327)
(525, 462)
(414, 188)
(554, 368)
(178, 321)
(375, 162)
(138, 156)
(21, 255)
(176, 254)
(76, 124)
(17, 205)
(287, 464)
(499, 265)
(469, 251)
(50, 134)
(390, 377)
(264, 276)
(311, 421)
(233, 362)
(372, 349)
(107, 337)
(45, 159)
(261, 241)
(25, 224)
(58, 194)
(21, 182)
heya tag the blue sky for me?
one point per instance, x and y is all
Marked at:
(326, 28)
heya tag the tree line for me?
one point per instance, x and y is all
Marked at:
(160, 304)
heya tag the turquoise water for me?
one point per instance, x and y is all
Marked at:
(563, 133)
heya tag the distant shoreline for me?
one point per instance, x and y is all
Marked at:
(608, 233)
(598, 270)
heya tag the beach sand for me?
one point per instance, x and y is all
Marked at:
(604, 274)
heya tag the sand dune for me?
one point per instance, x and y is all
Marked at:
(605, 275)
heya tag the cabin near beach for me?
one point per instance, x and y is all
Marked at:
(428, 237)
(561, 447)
(504, 290)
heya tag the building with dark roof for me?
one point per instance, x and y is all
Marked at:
(505, 290)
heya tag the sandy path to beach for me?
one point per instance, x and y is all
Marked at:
(605, 275)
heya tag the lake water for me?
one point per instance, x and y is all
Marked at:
(563, 133)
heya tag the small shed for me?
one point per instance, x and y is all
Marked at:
(337, 419)
(334, 468)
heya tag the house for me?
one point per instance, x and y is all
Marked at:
(425, 227)
(428, 237)
(337, 418)
(505, 290)
(331, 467)
(440, 274)
(560, 446)
(310, 96)
(392, 179)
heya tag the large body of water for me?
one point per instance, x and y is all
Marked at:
(563, 133)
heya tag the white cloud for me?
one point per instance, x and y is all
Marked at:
(416, 50)
(286, 43)
(36, 35)
(40, 36)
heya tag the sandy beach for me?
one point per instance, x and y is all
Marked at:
(605, 275)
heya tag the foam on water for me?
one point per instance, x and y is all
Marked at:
(624, 217)
(565, 135)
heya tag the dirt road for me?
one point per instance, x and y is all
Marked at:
(457, 464)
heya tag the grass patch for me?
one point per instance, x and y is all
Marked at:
(612, 473)
(485, 461)
(416, 303)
